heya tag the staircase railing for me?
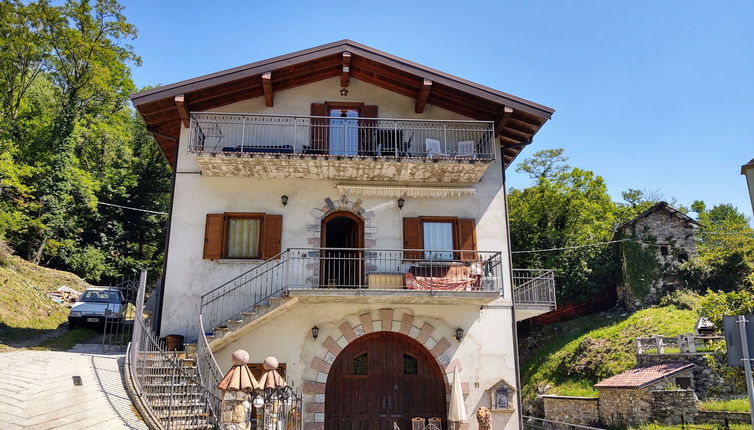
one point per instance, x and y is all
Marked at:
(534, 287)
(172, 393)
(209, 371)
(244, 292)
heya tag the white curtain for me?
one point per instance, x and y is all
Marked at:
(243, 237)
(438, 237)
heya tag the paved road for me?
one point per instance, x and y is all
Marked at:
(37, 391)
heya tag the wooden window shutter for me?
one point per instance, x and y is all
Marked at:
(320, 129)
(367, 128)
(412, 238)
(214, 230)
(273, 230)
(467, 238)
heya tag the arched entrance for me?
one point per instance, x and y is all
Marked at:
(342, 263)
(381, 378)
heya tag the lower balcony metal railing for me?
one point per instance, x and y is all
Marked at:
(534, 287)
(229, 133)
(425, 271)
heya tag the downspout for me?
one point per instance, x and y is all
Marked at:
(513, 307)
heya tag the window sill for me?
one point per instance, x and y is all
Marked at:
(240, 261)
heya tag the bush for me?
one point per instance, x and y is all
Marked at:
(682, 299)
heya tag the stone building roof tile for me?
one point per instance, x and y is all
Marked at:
(643, 376)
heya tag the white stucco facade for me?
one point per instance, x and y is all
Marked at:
(486, 353)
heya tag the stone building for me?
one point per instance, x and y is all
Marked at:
(658, 392)
(664, 238)
(748, 171)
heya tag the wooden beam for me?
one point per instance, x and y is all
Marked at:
(421, 99)
(346, 70)
(267, 87)
(502, 119)
(183, 112)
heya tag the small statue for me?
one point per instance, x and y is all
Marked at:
(484, 418)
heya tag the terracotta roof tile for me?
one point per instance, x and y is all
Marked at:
(640, 377)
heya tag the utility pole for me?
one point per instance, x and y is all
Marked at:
(747, 365)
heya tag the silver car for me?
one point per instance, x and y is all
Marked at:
(97, 305)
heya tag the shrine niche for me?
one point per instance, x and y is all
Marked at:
(501, 396)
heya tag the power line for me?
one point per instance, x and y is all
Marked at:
(573, 247)
(132, 209)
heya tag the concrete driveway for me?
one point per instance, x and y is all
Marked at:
(37, 391)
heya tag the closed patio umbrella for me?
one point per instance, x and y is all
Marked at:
(457, 412)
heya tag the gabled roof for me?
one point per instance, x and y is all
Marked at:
(663, 206)
(517, 120)
(747, 166)
(643, 376)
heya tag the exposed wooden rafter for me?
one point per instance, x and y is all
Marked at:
(421, 99)
(183, 111)
(346, 70)
(502, 119)
(267, 87)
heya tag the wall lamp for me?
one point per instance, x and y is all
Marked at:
(284, 199)
(401, 202)
(315, 332)
(459, 334)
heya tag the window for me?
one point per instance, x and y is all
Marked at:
(242, 235)
(683, 382)
(683, 256)
(361, 364)
(438, 238)
(410, 366)
(664, 250)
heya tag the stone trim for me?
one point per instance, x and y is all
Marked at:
(342, 204)
(387, 319)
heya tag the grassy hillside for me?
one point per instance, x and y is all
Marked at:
(25, 310)
(588, 349)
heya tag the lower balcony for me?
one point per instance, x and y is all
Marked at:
(379, 276)
(335, 148)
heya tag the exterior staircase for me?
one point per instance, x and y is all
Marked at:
(231, 329)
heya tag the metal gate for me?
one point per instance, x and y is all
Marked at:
(120, 313)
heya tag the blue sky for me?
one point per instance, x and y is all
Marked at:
(655, 95)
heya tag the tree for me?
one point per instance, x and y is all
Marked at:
(566, 207)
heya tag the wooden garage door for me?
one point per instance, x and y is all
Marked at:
(382, 378)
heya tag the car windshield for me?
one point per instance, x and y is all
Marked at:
(100, 296)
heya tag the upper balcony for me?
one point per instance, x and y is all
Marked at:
(342, 148)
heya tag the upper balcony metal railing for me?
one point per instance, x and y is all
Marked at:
(391, 138)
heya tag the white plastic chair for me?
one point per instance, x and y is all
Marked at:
(466, 149)
(432, 148)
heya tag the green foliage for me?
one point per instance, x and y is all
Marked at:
(565, 207)
(641, 267)
(682, 299)
(589, 349)
(715, 305)
(69, 139)
(733, 405)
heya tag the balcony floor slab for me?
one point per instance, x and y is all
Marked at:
(392, 296)
(277, 166)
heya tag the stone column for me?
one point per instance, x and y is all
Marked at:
(235, 387)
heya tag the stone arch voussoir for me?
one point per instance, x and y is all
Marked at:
(428, 334)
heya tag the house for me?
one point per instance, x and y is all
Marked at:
(343, 210)
(748, 171)
(663, 237)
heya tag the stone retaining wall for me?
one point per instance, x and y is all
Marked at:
(573, 410)
(625, 406)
